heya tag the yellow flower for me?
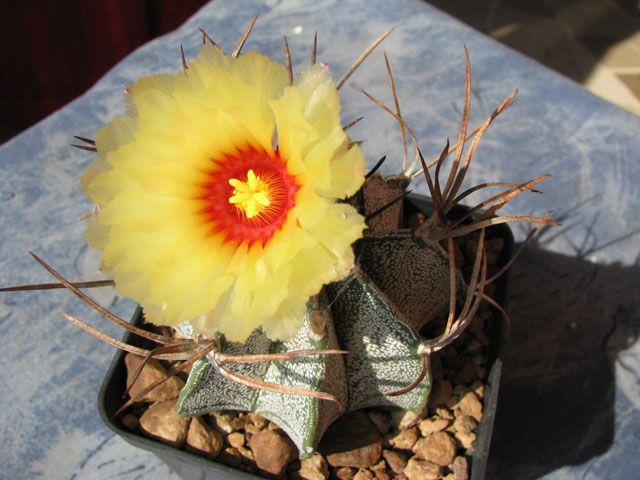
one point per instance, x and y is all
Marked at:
(218, 195)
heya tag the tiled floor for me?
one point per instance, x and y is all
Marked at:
(594, 42)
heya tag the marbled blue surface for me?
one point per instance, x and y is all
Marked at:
(570, 397)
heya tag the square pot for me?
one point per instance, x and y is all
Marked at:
(191, 466)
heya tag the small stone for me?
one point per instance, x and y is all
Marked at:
(221, 421)
(482, 338)
(444, 413)
(470, 405)
(203, 439)
(432, 425)
(477, 387)
(466, 374)
(439, 448)
(441, 393)
(239, 422)
(465, 423)
(258, 420)
(363, 475)
(345, 473)
(396, 460)
(380, 420)
(460, 390)
(247, 455)
(352, 441)
(151, 372)
(379, 470)
(478, 360)
(250, 428)
(130, 421)
(473, 347)
(272, 450)
(162, 422)
(404, 419)
(405, 439)
(314, 468)
(382, 474)
(422, 470)
(230, 456)
(466, 439)
(236, 439)
(460, 468)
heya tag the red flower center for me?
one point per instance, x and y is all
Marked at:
(249, 196)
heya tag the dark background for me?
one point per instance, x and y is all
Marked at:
(54, 50)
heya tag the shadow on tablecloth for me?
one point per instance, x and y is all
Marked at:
(570, 320)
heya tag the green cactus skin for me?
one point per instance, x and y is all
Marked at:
(382, 358)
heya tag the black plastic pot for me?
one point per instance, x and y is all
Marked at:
(191, 466)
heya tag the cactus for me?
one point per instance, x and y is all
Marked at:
(361, 343)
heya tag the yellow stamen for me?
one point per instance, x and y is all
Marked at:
(251, 196)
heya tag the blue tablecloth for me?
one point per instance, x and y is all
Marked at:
(570, 398)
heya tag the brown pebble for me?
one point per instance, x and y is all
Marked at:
(460, 390)
(352, 441)
(473, 347)
(363, 474)
(162, 422)
(422, 470)
(444, 413)
(151, 372)
(439, 448)
(221, 421)
(404, 419)
(405, 439)
(465, 423)
(460, 468)
(466, 374)
(345, 473)
(440, 393)
(432, 425)
(236, 439)
(466, 439)
(483, 339)
(272, 450)
(470, 405)
(238, 423)
(203, 439)
(130, 421)
(230, 456)
(477, 387)
(250, 428)
(258, 420)
(396, 460)
(382, 475)
(380, 420)
(247, 455)
(314, 468)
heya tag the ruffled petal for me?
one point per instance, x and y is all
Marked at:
(175, 232)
